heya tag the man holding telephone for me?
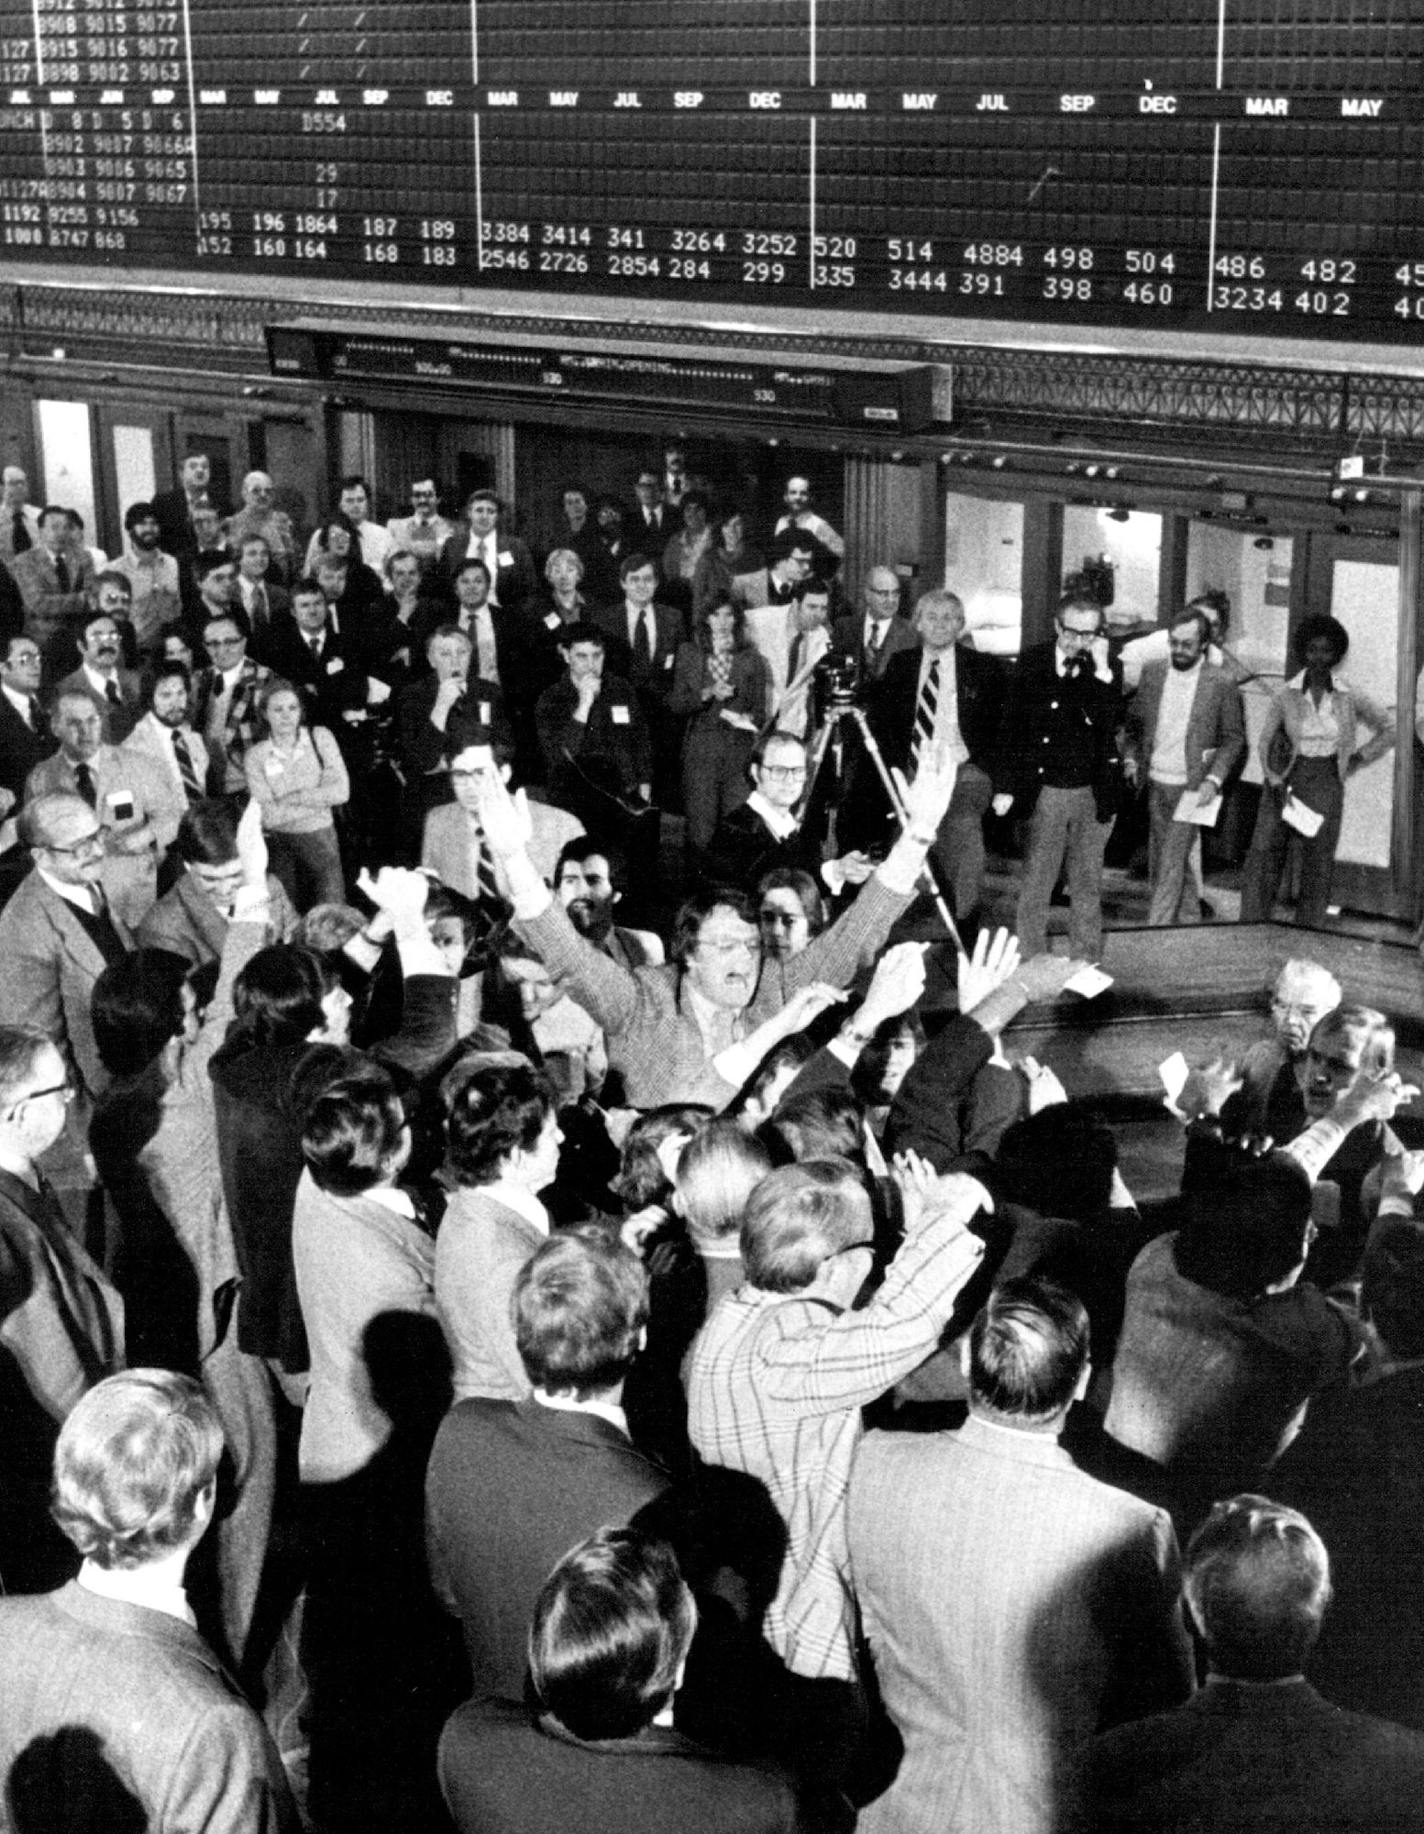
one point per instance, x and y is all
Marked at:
(125, 790)
(1058, 767)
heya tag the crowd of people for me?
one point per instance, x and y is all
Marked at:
(486, 1303)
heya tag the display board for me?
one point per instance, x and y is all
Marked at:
(1245, 165)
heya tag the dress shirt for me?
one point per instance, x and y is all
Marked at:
(1169, 745)
(523, 1203)
(775, 1387)
(24, 705)
(782, 822)
(571, 1404)
(155, 595)
(80, 896)
(948, 742)
(1319, 726)
(486, 653)
(648, 619)
(136, 1586)
(719, 1026)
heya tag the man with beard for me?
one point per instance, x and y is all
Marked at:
(1186, 734)
(165, 736)
(152, 576)
(588, 883)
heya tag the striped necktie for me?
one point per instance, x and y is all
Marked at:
(192, 788)
(925, 716)
(486, 885)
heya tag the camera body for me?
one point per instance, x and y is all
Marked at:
(835, 685)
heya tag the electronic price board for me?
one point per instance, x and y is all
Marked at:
(1225, 165)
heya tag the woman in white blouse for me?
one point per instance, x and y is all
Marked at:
(296, 777)
(1311, 742)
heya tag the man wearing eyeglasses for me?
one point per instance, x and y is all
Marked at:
(226, 695)
(765, 832)
(61, 1322)
(1058, 769)
(425, 531)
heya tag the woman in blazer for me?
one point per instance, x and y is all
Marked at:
(1310, 744)
(721, 684)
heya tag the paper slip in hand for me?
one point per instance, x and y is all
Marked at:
(1089, 982)
(1174, 1073)
(1300, 816)
(1199, 814)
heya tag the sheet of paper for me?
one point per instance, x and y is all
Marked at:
(1089, 982)
(1174, 1072)
(1199, 814)
(1307, 821)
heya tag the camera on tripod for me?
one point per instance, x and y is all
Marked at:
(835, 685)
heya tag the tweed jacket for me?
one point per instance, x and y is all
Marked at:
(187, 922)
(153, 740)
(48, 966)
(117, 721)
(653, 1037)
(848, 636)
(130, 880)
(446, 850)
(1216, 730)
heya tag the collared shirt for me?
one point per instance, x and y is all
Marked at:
(80, 896)
(782, 822)
(647, 620)
(719, 1026)
(480, 626)
(24, 704)
(1169, 745)
(154, 582)
(393, 1198)
(523, 1203)
(948, 742)
(571, 1404)
(1319, 726)
(136, 1586)
(776, 1382)
(100, 683)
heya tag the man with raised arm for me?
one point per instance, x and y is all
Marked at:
(693, 1029)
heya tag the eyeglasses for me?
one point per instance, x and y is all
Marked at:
(1078, 636)
(18, 656)
(786, 772)
(65, 1090)
(225, 643)
(88, 843)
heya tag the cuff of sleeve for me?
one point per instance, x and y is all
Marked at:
(253, 904)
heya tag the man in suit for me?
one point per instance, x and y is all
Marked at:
(1014, 1606)
(19, 519)
(512, 1485)
(446, 710)
(165, 737)
(327, 667)
(113, 1710)
(54, 583)
(193, 916)
(642, 638)
(793, 558)
(25, 733)
(61, 1322)
(1257, 1747)
(652, 521)
(613, 1629)
(1185, 735)
(1058, 768)
(507, 559)
(117, 692)
(504, 645)
(876, 634)
(453, 847)
(946, 700)
(793, 638)
(128, 792)
(765, 834)
(226, 694)
(257, 596)
(176, 510)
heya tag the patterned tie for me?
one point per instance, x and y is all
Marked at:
(192, 788)
(486, 885)
(874, 638)
(61, 573)
(925, 716)
(20, 542)
(84, 783)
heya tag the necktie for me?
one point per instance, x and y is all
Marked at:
(20, 542)
(645, 639)
(486, 885)
(259, 605)
(192, 789)
(61, 573)
(798, 652)
(111, 693)
(84, 783)
(925, 715)
(874, 637)
(314, 645)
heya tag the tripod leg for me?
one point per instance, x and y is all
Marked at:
(927, 877)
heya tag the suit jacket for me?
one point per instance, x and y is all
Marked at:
(848, 635)
(512, 1486)
(1035, 688)
(114, 1715)
(118, 721)
(152, 740)
(130, 880)
(185, 921)
(504, 1772)
(174, 516)
(1216, 730)
(744, 850)
(46, 607)
(1014, 1606)
(446, 849)
(515, 579)
(653, 681)
(425, 749)
(61, 1331)
(479, 1251)
(22, 747)
(332, 685)
(769, 628)
(653, 1037)
(979, 687)
(612, 745)
(48, 966)
(1260, 1758)
(278, 602)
